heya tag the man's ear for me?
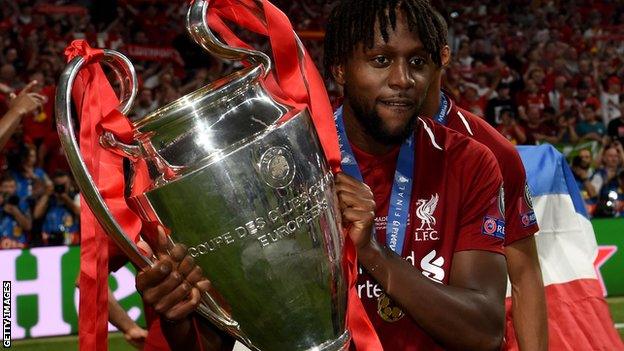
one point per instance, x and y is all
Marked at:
(337, 72)
(445, 56)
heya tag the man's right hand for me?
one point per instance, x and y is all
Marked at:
(174, 284)
(26, 101)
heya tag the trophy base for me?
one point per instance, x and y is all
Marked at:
(340, 344)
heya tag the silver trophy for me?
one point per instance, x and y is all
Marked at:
(247, 191)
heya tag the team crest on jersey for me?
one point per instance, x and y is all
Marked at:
(528, 219)
(425, 210)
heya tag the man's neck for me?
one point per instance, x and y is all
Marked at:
(432, 102)
(358, 136)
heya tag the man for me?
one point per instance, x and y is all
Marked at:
(445, 288)
(583, 172)
(615, 129)
(529, 303)
(15, 218)
(591, 128)
(59, 209)
(502, 102)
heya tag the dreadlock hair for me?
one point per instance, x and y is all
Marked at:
(352, 22)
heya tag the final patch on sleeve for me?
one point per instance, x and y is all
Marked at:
(501, 200)
(527, 214)
(528, 199)
(528, 219)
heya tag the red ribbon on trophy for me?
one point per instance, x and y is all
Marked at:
(298, 82)
(96, 103)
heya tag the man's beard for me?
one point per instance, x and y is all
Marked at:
(373, 124)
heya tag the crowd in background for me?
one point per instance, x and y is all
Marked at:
(538, 71)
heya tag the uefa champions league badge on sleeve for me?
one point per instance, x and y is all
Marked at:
(494, 221)
(493, 226)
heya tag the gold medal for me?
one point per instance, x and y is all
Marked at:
(388, 311)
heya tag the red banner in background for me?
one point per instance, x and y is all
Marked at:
(153, 53)
(61, 9)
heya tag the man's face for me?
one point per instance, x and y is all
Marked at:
(533, 114)
(531, 86)
(615, 88)
(385, 85)
(611, 157)
(586, 159)
(503, 92)
(589, 113)
(8, 187)
(61, 180)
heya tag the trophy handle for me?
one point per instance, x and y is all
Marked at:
(124, 70)
(126, 74)
(197, 25)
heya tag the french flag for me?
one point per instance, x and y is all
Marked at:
(578, 314)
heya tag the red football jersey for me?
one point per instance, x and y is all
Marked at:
(520, 221)
(455, 206)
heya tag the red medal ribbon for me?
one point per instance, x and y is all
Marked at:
(297, 81)
(96, 103)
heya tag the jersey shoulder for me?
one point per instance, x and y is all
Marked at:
(458, 150)
(504, 151)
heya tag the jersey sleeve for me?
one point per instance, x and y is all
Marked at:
(482, 224)
(520, 220)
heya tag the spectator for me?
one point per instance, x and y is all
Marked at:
(15, 219)
(584, 97)
(532, 97)
(30, 179)
(590, 128)
(556, 96)
(610, 99)
(581, 167)
(59, 207)
(471, 100)
(510, 129)
(538, 130)
(615, 129)
(38, 124)
(502, 102)
(605, 178)
(567, 128)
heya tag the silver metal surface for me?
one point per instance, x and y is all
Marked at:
(249, 195)
(197, 25)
